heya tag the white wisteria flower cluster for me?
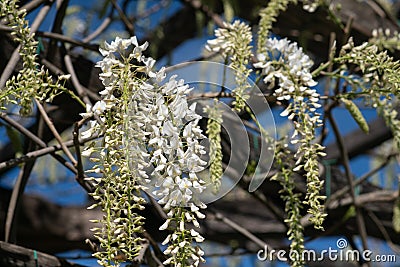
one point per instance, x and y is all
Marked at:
(172, 151)
(286, 66)
(287, 62)
(150, 141)
(166, 141)
(234, 41)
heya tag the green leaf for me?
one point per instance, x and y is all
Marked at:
(356, 114)
(351, 212)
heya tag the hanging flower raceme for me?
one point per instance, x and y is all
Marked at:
(32, 81)
(173, 151)
(286, 66)
(234, 41)
(214, 135)
(150, 142)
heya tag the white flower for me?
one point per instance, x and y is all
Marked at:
(149, 64)
(310, 5)
(160, 75)
(99, 107)
(137, 51)
(166, 240)
(286, 112)
(87, 152)
(89, 132)
(196, 235)
(64, 77)
(293, 70)
(118, 45)
(165, 225)
(227, 36)
(168, 183)
(108, 62)
(88, 112)
(160, 132)
(168, 129)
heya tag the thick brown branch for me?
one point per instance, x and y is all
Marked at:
(13, 255)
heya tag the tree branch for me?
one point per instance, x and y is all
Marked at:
(349, 176)
(13, 255)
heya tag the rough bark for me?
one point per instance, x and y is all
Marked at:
(12, 255)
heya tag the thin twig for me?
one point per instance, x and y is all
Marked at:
(18, 190)
(144, 247)
(153, 9)
(261, 197)
(37, 140)
(212, 95)
(269, 204)
(61, 8)
(154, 244)
(346, 164)
(385, 234)
(154, 257)
(363, 199)
(16, 194)
(207, 11)
(240, 230)
(57, 71)
(31, 5)
(22, 129)
(53, 129)
(347, 29)
(332, 51)
(124, 18)
(169, 69)
(66, 39)
(40, 152)
(102, 27)
(75, 80)
(78, 165)
(59, 37)
(338, 194)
